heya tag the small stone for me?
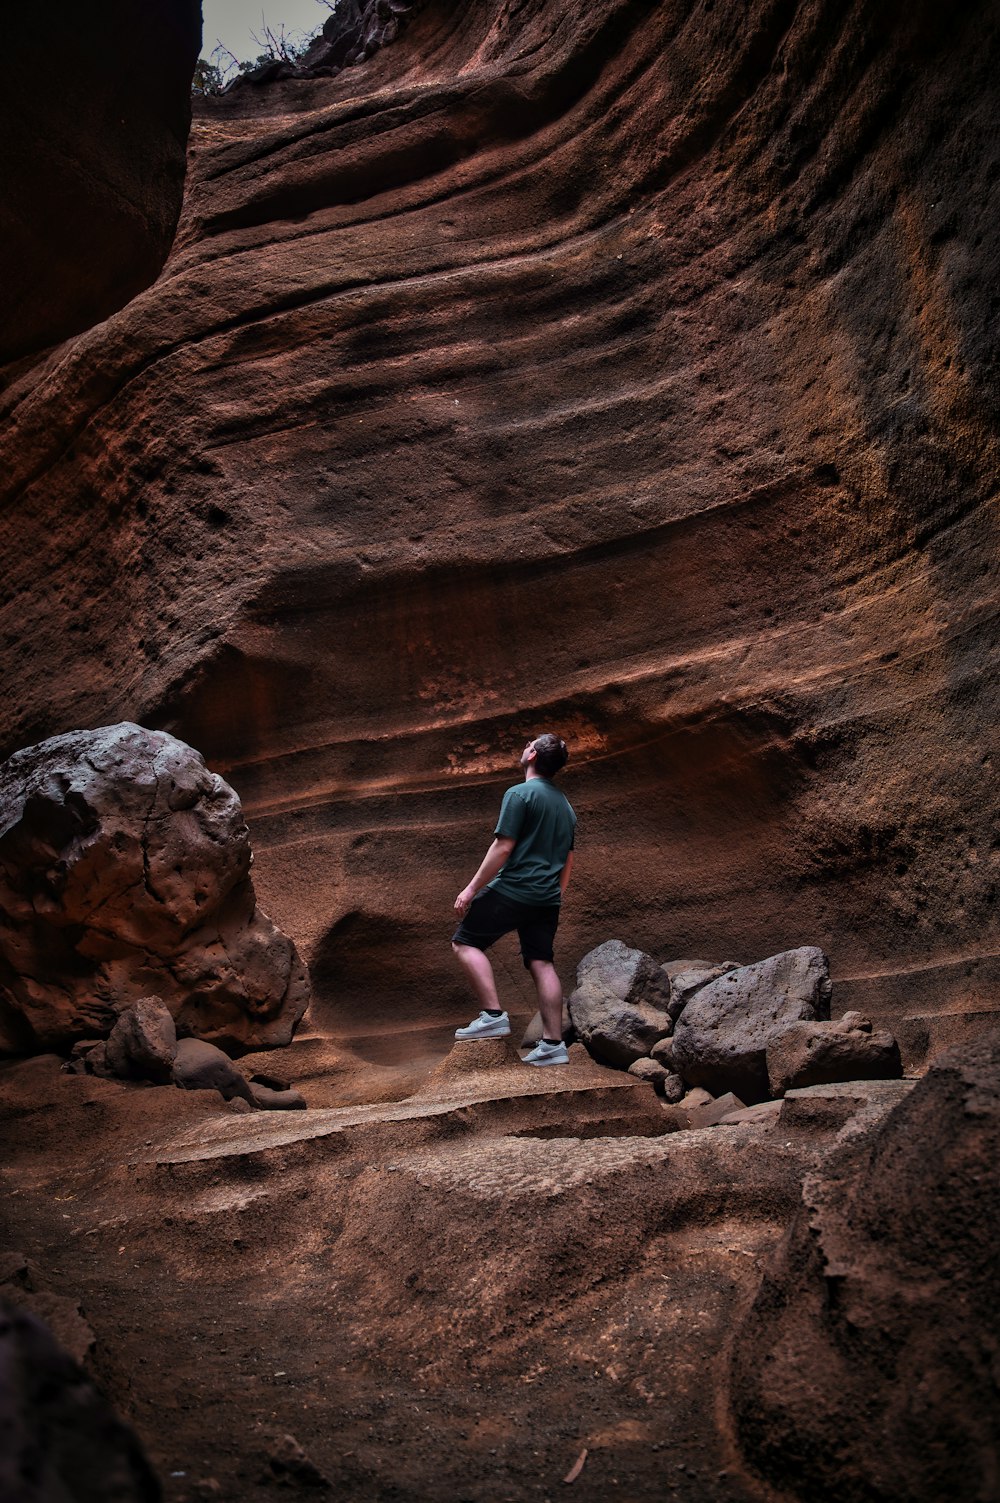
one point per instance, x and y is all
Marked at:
(648, 1069)
(662, 1052)
(713, 1113)
(289, 1463)
(280, 1101)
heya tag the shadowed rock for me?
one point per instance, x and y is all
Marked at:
(61, 1438)
(96, 117)
(866, 1369)
(125, 868)
(722, 1035)
(143, 1043)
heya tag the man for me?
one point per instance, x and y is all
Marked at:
(520, 885)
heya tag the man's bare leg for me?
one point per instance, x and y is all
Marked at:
(550, 998)
(476, 965)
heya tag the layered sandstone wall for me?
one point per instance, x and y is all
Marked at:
(623, 369)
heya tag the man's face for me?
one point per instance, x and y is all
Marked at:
(526, 755)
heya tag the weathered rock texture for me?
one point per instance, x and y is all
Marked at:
(866, 1370)
(722, 1037)
(96, 112)
(625, 368)
(125, 869)
(806, 1054)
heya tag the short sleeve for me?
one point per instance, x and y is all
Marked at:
(511, 820)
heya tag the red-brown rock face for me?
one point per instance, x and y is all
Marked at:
(620, 369)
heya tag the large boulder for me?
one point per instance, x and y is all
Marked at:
(866, 1370)
(720, 1039)
(808, 1054)
(125, 870)
(619, 1007)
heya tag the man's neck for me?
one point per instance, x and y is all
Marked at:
(529, 773)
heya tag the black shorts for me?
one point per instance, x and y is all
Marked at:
(490, 915)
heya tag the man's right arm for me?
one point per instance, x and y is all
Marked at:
(566, 873)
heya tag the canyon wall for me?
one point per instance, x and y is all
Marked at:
(627, 370)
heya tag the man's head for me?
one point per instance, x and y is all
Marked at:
(546, 753)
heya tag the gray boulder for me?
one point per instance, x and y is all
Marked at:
(125, 869)
(721, 1038)
(808, 1054)
(689, 976)
(202, 1067)
(143, 1043)
(619, 1007)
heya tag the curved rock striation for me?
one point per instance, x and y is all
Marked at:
(625, 369)
(124, 869)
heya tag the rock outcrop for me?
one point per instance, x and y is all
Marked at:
(661, 332)
(721, 1038)
(97, 107)
(125, 869)
(866, 1369)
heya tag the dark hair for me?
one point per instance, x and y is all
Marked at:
(550, 754)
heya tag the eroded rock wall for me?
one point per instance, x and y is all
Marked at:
(629, 370)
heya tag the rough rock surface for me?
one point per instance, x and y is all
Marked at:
(95, 122)
(672, 315)
(721, 1038)
(806, 1054)
(866, 1369)
(619, 1006)
(124, 869)
(61, 1439)
(689, 976)
(143, 1042)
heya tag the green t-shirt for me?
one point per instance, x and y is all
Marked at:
(541, 820)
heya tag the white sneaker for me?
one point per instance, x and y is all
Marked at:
(485, 1027)
(547, 1054)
